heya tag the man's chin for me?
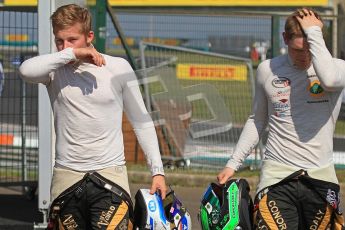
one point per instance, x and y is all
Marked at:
(302, 66)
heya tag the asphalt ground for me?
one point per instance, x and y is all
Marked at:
(18, 212)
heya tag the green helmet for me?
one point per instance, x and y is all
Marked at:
(227, 206)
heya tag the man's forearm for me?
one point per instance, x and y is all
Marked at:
(148, 141)
(331, 75)
(37, 69)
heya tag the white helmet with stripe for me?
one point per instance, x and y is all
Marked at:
(151, 212)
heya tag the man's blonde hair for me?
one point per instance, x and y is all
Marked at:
(68, 15)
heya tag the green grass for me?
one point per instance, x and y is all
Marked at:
(341, 175)
(16, 174)
(245, 173)
(340, 128)
(202, 175)
(182, 56)
(234, 94)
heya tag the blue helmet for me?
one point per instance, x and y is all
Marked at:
(153, 213)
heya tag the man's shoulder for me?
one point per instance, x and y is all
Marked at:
(274, 63)
(265, 66)
(117, 65)
(269, 68)
(115, 60)
(339, 61)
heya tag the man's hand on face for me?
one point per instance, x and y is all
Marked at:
(308, 18)
(90, 55)
(158, 185)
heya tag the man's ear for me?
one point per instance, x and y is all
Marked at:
(285, 37)
(89, 37)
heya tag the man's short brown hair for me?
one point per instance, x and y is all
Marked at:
(292, 26)
(68, 15)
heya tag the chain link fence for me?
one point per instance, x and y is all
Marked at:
(18, 102)
(199, 101)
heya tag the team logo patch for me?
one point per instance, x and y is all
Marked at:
(281, 108)
(152, 206)
(281, 82)
(281, 93)
(315, 89)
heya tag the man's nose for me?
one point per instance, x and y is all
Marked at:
(66, 44)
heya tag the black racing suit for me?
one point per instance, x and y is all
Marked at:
(93, 203)
(315, 201)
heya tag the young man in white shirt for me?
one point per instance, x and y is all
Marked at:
(298, 96)
(89, 92)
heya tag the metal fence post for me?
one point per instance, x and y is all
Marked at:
(100, 25)
(122, 37)
(45, 9)
(22, 128)
(275, 35)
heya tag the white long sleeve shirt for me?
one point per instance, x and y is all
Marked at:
(300, 108)
(88, 104)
